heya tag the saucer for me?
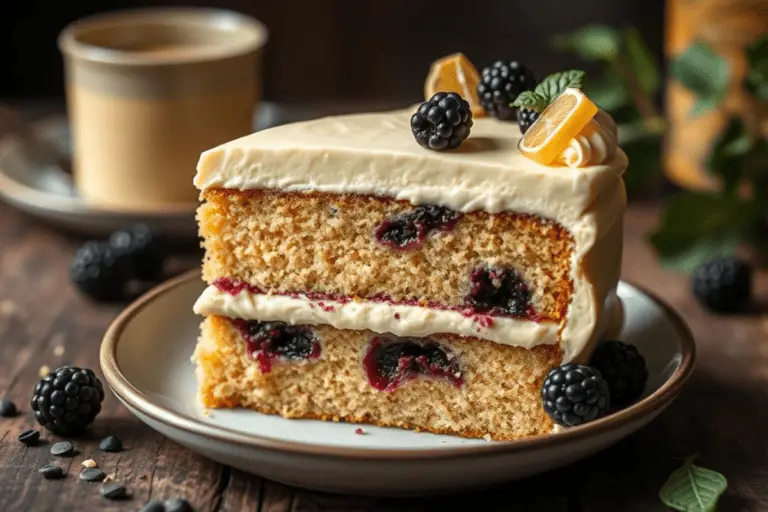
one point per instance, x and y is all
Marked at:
(145, 357)
(35, 177)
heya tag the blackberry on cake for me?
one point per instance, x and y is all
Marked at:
(623, 368)
(526, 117)
(500, 84)
(723, 284)
(443, 122)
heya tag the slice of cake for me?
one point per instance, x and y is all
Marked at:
(360, 268)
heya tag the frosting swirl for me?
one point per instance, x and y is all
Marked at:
(595, 144)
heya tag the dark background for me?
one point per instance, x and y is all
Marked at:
(343, 49)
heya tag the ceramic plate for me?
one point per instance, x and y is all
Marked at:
(35, 178)
(145, 357)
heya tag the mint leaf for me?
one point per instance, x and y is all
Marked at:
(529, 99)
(704, 72)
(727, 156)
(641, 61)
(593, 42)
(697, 226)
(756, 79)
(551, 86)
(691, 488)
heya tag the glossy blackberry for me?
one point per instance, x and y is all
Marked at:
(98, 272)
(141, 249)
(442, 122)
(67, 400)
(525, 118)
(623, 368)
(498, 291)
(723, 284)
(500, 84)
(575, 394)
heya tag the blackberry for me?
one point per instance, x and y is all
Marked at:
(408, 230)
(500, 84)
(98, 272)
(623, 368)
(526, 117)
(141, 249)
(575, 394)
(442, 122)
(723, 284)
(67, 400)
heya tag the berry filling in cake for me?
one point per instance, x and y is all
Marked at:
(271, 341)
(390, 363)
(409, 230)
(499, 292)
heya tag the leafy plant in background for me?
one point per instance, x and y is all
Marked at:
(696, 226)
(626, 88)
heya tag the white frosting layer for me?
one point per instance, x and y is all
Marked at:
(379, 317)
(596, 144)
(376, 154)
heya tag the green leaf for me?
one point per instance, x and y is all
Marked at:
(641, 61)
(705, 73)
(529, 99)
(697, 226)
(593, 42)
(756, 79)
(551, 86)
(691, 488)
(728, 151)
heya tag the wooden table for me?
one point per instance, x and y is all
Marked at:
(722, 414)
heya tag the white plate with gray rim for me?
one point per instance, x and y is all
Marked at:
(145, 357)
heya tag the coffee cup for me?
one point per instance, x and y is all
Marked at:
(150, 89)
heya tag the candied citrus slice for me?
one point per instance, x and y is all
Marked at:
(455, 73)
(560, 122)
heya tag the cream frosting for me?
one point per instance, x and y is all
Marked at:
(594, 145)
(379, 317)
(376, 154)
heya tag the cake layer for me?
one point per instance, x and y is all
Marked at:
(348, 246)
(380, 317)
(475, 388)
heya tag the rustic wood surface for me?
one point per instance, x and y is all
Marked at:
(721, 415)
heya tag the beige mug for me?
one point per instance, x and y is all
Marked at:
(148, 90)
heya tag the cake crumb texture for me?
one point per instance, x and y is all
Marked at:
(325, 243)
(500, 396)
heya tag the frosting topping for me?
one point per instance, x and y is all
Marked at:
(595, 144)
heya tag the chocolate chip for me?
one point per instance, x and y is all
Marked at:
(111, 444)
(51, 472)
(7, 408)
(177, 505)
(63, 449)
(29, 437)
(113, 491)
(92, 475)
(153, 506)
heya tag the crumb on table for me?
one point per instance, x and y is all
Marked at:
(359, 431)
